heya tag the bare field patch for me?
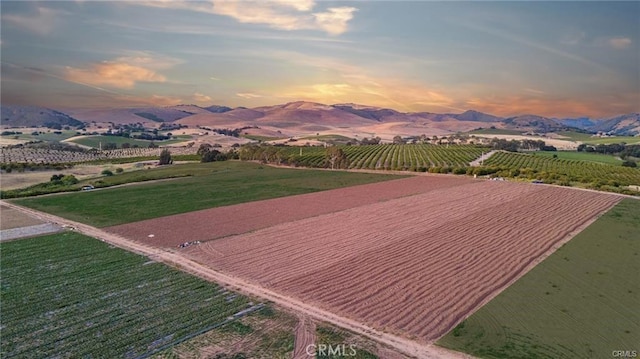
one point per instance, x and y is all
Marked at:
(11, 218)
(16, 179)
(413, 266)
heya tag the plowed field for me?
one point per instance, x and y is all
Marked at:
(414, 265)
(219, 222)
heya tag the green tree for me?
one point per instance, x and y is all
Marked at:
(204, 148)
(336, 158)
(165, 157)
(69, 180)
(56, 178)
(397, 140)
(211, 156)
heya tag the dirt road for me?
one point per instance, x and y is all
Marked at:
(305, 336)
(172, 258)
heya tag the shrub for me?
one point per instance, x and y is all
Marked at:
(119, 170)
(211, 156)
(106, 173)
(69, 180)
(165, 157)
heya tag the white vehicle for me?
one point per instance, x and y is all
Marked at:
(87, 188)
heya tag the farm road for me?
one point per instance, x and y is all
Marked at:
(485, 156)
(305, 336)
(175, 259)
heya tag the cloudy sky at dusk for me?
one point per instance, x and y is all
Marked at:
(505, 58)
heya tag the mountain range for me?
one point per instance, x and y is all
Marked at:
(306, 117)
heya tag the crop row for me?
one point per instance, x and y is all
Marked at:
(410, 157)
(67, 295)
(564, 171)
(49, 156)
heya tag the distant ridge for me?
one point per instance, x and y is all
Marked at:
(312, 117)
(29, 116)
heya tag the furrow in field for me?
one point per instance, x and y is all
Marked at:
(463, 274)
(374, 226)
(413, 265)
(448, 272)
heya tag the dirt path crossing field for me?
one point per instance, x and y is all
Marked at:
(305, 337)
(172, 258)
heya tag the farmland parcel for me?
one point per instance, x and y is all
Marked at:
(411, 260)
(413, 266)
(71, 295)
(581, 302)
(208, 185)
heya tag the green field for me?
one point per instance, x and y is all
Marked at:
(209, 185)
(333, 139)
(583, 301)
(46, 136)
(586, 138)
(581, 156)
(495, 131)
(71, 296)
(261, 138)
(94, 141)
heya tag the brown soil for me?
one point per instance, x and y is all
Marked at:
(11, 218)
(412, 266)
(171, 257)
(208, 224)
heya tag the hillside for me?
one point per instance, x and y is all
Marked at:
(303, 117)
(30, 116)
(625, 124)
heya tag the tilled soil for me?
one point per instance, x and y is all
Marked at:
(415, 265)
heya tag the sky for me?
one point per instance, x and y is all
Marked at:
(557, 59)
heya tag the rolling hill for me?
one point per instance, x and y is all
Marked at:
(305, 117)
(31, 116)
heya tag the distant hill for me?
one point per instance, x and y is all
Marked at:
(137, 115)
(619, 125)
(218, 109)
(582, 122)
(371, 113)
(304, 117)
(476, 116)
(534, 123)
(33, 116)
